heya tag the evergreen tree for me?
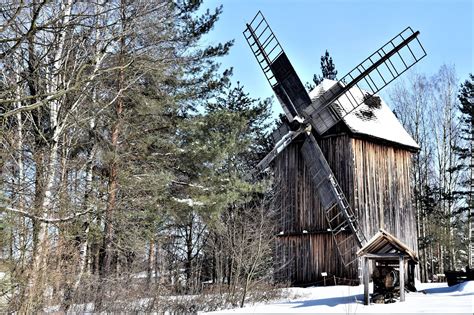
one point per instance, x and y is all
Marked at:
(240, 218)
(115, 146)
(328, 70)
(465, 153)
(124, 146)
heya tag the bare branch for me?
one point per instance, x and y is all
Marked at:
(46, 220)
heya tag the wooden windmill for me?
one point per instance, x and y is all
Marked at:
(320, 228)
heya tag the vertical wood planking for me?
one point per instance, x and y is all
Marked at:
(376, 181)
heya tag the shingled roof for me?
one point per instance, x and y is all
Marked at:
(375, 119)
(385, 243)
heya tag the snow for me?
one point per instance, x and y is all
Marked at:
(190, 202)
(430, 298)
(374, 121)
(283, 143)
(142, 275)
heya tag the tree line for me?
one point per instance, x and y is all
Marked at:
(126, 158)
(438, 113)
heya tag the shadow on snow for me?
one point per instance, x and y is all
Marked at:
(460, 289)
(332, 301)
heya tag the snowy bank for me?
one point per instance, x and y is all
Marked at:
(431, 298)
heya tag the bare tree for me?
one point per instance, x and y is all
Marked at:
(412, 106)
(427, 107)
(446, 138)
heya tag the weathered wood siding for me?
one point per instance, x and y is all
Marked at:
(382, 190)
(300, 208)
(375, 179)
(302, 257)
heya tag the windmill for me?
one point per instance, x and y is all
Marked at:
(309, 119)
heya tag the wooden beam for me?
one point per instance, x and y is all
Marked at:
(401, 261)
(384, 256)
(304, 233)
(366, 281)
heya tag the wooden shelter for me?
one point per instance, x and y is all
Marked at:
(385, 249)
(370, 154)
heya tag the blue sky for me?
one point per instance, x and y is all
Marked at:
(350, 30)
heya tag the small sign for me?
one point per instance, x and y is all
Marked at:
(324, 274)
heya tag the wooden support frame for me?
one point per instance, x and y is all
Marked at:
(387, 249)
(401, 262)
(383, 256)
(380, 257)
(366, 281)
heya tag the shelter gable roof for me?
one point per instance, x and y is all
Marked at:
(385, 243)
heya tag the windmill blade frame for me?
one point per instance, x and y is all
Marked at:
(276, 66)
(329, 191)
(379, 69)
(280, 146)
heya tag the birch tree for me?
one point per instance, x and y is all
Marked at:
(428, 109)
(411, 103)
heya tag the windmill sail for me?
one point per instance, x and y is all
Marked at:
(279, 146)
(369, 77)
(276, 66)
(340, 217)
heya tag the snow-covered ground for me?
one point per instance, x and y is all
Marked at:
(431, 298)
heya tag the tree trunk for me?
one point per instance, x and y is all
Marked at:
(109, 224)
(471, 203)
(151, 262)
(113, 170)
(36, 289)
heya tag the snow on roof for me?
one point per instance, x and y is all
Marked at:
(374, 119)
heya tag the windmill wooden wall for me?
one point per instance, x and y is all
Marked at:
(375, 178)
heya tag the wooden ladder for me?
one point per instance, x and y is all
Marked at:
(342, 222)
(344, 226)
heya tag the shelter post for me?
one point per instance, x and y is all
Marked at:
(401, 261)
(366, 281)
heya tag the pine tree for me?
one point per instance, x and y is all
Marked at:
(103, 114)
(239, 224)
(142, 147)
(168, 150)
(466, 155)
(328, 70)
